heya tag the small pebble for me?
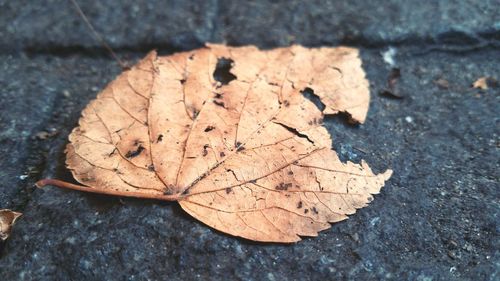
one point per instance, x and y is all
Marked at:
(355, 237)
(389, 55)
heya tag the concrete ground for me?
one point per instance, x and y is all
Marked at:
(436, 219)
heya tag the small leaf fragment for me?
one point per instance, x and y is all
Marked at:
(480, 83)
(7, 220)
(484, 83)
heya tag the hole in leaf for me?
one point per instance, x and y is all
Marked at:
(309, 94)
(296, 132)
(222, 71)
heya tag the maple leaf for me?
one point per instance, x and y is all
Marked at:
(227, 133)
(7, 220)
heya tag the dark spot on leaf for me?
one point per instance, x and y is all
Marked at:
(151, 168)
(283, 186)
(209, 128)
(299, 205)
(222, 71)
(309, 94)
(134, 153)
(290, 173)
(314, 210)
(218, 96)
(222, 154)
(306, 211)
(205, 151)
(228, 190)
(220, 103)
(182, 81)
(239, 146)
(160, 138)
(286, 103)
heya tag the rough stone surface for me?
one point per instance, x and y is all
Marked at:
(436, 219)
(178, 24)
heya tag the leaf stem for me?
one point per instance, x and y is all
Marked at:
(62, 184)
(99, 38)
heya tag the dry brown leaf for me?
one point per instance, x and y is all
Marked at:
(7, 220)
(484, 83)
(481, 83)
(248, 156)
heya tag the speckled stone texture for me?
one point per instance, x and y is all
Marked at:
(436, 219)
